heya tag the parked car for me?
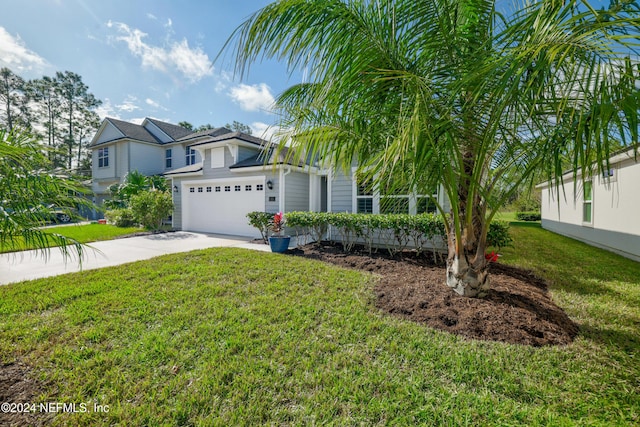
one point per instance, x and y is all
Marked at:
(61, 215)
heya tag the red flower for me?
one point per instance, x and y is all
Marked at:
(492, 257)
(278, 222)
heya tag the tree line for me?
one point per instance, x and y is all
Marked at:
(58, 110)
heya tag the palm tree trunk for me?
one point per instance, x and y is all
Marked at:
(467, 268)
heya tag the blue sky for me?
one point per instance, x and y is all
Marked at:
(145, 58)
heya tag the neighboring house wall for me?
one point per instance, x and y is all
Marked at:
(609, 220)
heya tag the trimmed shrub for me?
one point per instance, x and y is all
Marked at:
(528, 216)
(121, 217)
(394, 232)
(262, 221)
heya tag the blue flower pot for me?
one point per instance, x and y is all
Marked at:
(279, 244)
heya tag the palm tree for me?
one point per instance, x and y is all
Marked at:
(28, 191)
(455, 93)
(134, 183)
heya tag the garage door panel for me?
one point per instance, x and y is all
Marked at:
(221, 207)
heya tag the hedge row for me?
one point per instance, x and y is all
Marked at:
(394, 232)
(528, 216)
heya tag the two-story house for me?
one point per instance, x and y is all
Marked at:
(152, 148)
(218, 176)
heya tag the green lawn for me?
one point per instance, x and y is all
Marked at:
(83, 233)
(229, 336)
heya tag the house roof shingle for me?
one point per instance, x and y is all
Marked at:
(133, 131)
(186, 169)
(175, 132)
(269, 153)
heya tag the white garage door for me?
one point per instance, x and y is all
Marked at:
(221, 206)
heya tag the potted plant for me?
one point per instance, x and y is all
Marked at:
(277, 241)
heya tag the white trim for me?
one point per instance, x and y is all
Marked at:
(590, 202)
(270, 168)
(233, 149)
(232, 180)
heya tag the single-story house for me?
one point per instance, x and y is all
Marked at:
(601, 210)
(240, 174)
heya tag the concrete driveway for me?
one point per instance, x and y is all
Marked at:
(27, 265)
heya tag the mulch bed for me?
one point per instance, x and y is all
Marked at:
(517, 309)
(17, 387)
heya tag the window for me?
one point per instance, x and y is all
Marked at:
(208, 189)
(217, 188)
(426, 204)
(259, 187)
(587, 205)
(395, 199)
(192, 189)
(190, 156)
(227, 188)
(247, 188)
(394, 205)
(199, 189)
(392, 198)
(237, 187)
(167, 158)
(103, 157)
(364, 198)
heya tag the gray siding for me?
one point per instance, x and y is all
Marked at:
(296, 192)
(341, 192)
(177, 205)
(272, 197)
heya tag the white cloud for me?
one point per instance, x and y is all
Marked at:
(129, 104)
(107, 110)
(150, 102)
(223, 82)
(191, 63)
(252, 97)
(16, 56)
(263, 130)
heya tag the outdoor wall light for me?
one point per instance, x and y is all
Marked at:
(175, 188)
(270, 185)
